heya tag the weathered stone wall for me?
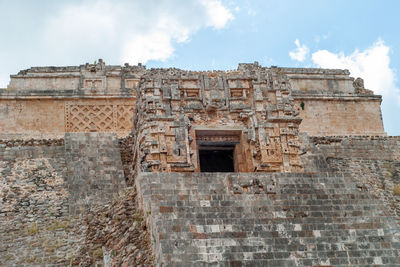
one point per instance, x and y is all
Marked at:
(339, 115)
(359, 147)
(95, 173)
(330, 102)
(35, 226)
(260, 219)
(51, 116)
(43, 185)
(320, 80)
(32, 117)
(117, 234)
(374, 161)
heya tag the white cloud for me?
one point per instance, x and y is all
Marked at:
(136, 31)
(372, 64)
(3, 82)
(217, 14)
(300, 52)
(141, 48)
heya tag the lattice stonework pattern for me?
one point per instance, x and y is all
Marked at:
(98, 117)
(124, 117)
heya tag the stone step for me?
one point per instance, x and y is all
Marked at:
(304, 220)
(340, 262)
(264, 212)
(269, 205)
(259, 199)
(281, 236)
(295, 230)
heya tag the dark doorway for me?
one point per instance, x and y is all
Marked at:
(216, 159)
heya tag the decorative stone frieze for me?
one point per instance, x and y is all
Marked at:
(329, 102)
(176, 108)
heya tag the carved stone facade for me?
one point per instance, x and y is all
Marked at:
(258, 102)
(251, 107)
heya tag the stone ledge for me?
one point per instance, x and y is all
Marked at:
(30, 136)
(339, 138)
(315, 71)
(32, 142)
(64, 94)
(334, 96)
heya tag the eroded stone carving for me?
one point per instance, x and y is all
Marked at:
(173, 105)
(97, 66)
(359, 87)
(358, 84)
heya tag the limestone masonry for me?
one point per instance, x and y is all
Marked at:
(125, 166)
(49, 101)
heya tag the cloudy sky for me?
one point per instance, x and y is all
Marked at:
(361, 36)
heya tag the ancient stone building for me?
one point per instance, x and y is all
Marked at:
(255, 166)
(99, 98)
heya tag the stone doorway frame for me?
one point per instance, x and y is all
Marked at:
(221, 137)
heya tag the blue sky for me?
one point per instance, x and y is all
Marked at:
(361, 36)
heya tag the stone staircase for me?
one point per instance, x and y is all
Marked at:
(265, 219)
(94, 169)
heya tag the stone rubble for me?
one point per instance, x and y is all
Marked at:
(119, 231)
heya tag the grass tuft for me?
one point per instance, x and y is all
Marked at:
(396, 189)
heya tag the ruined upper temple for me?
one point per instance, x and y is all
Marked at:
(255, 113)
